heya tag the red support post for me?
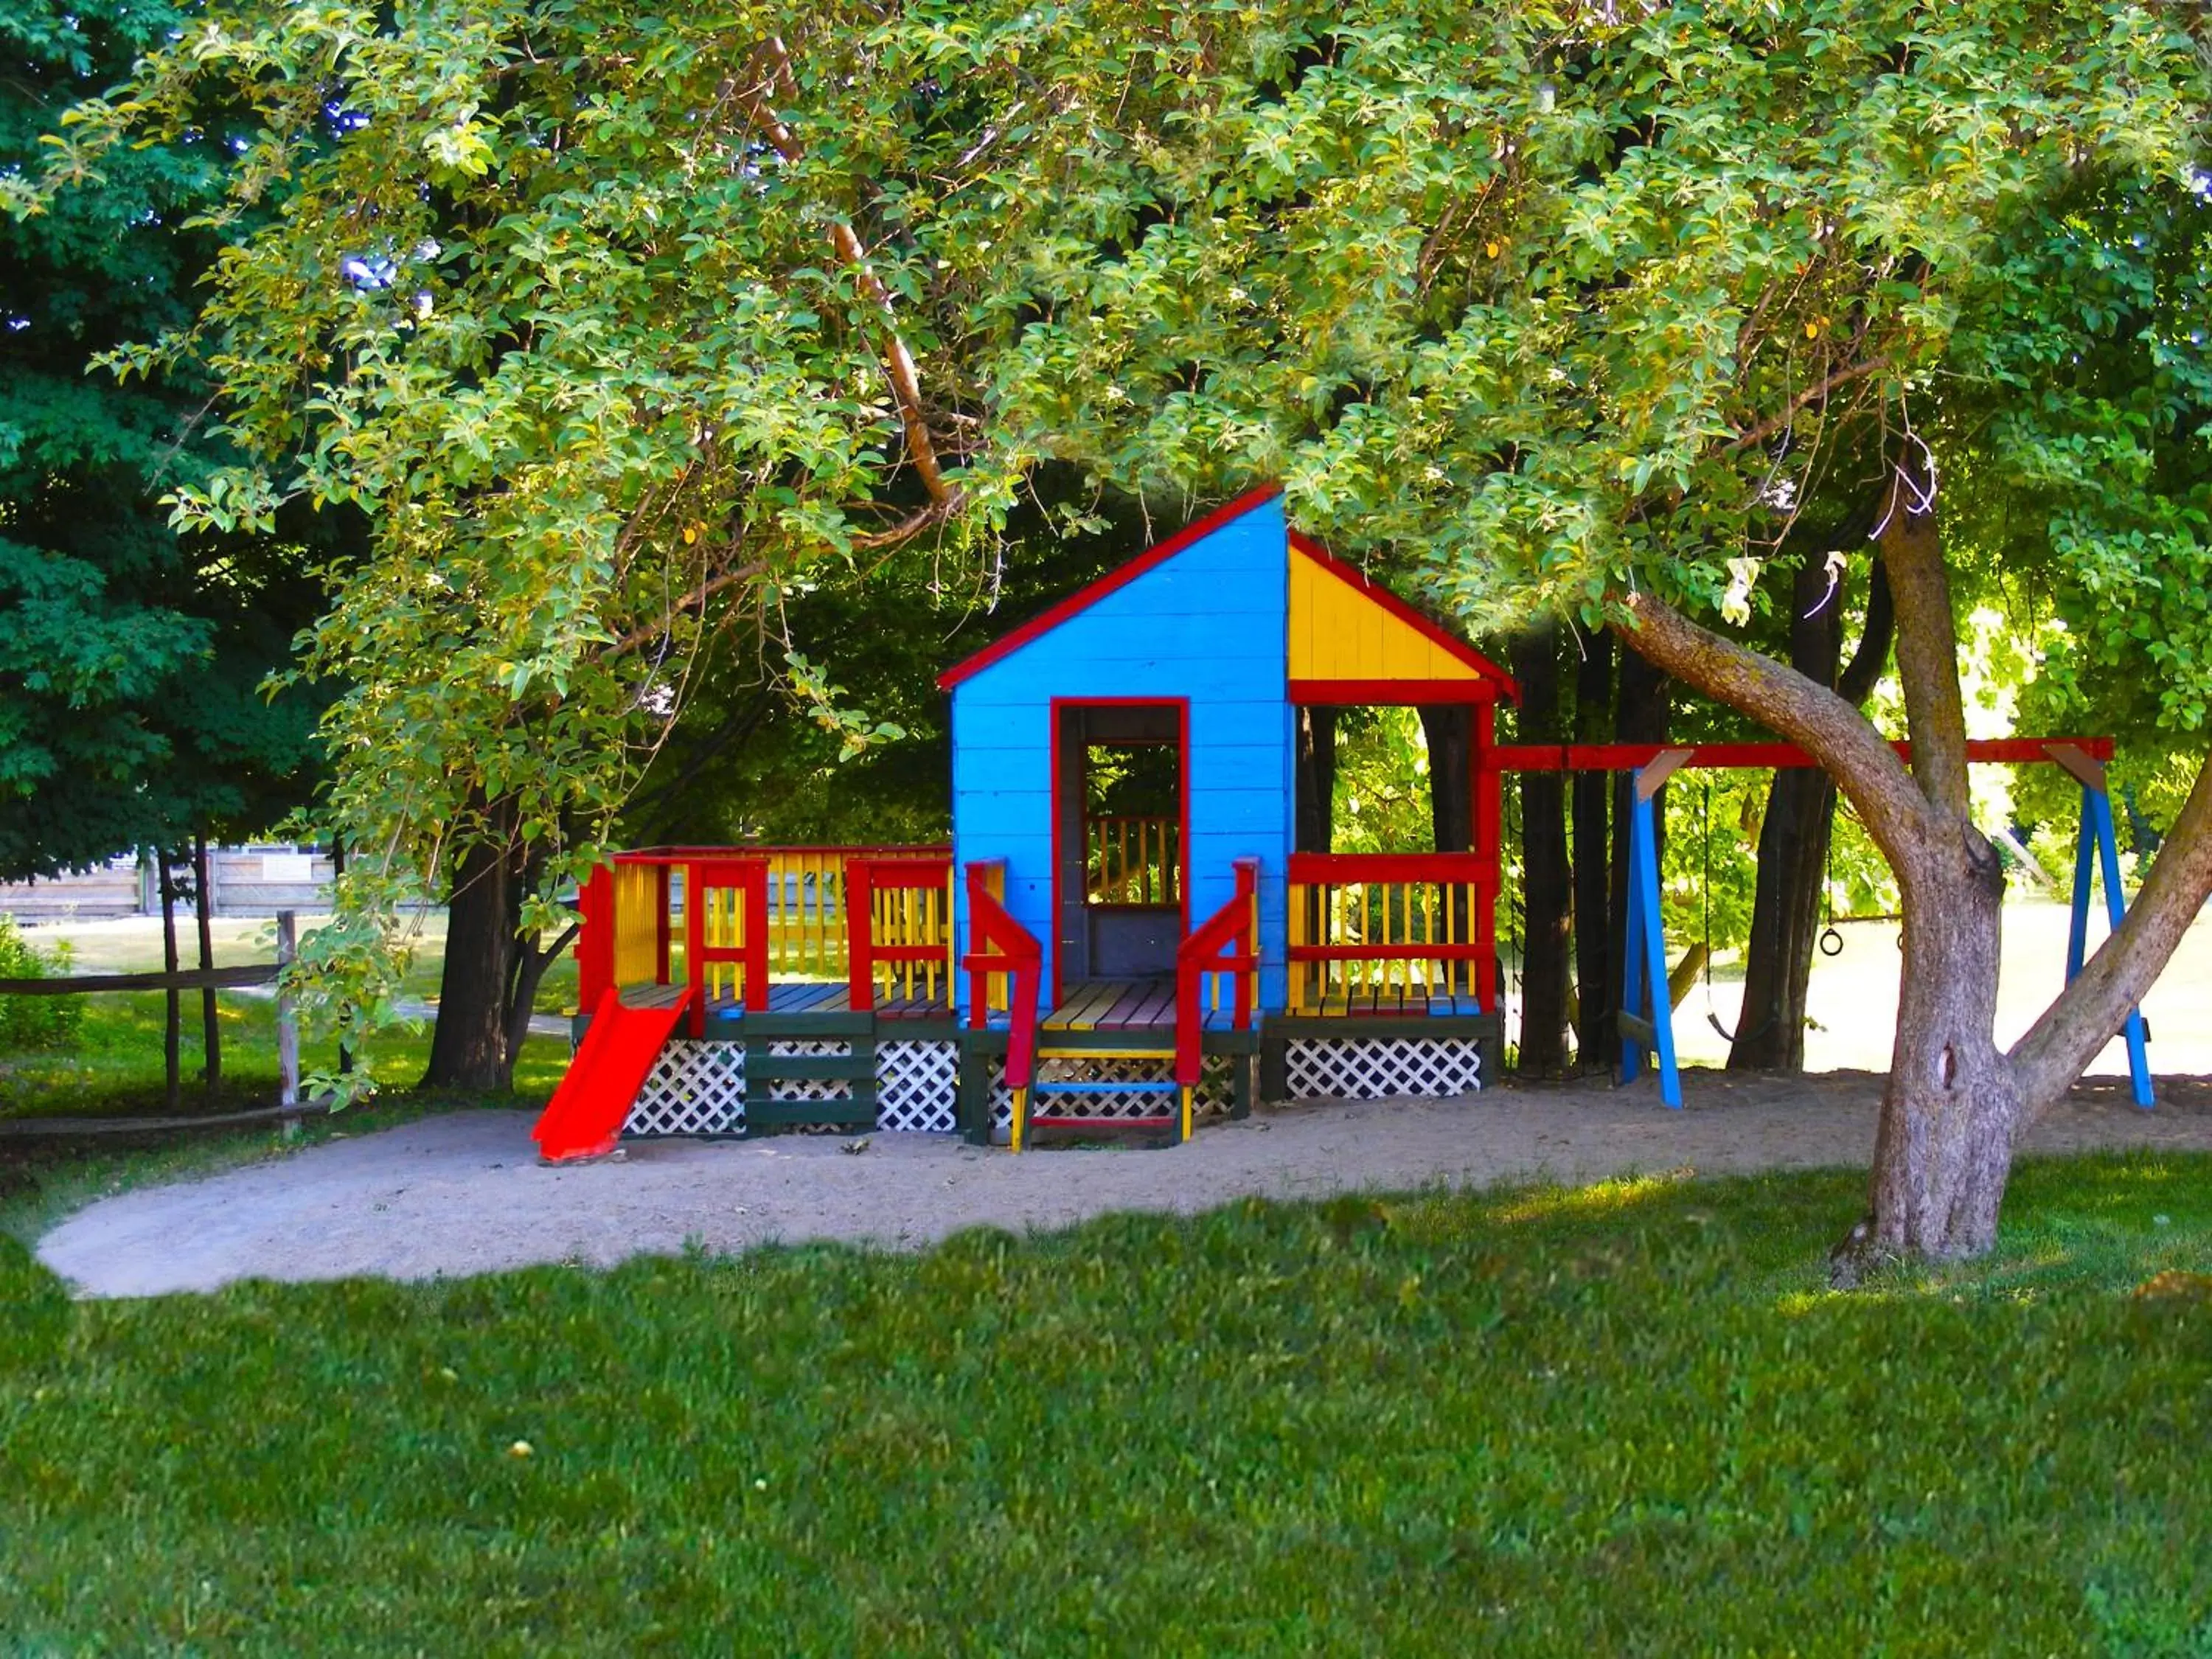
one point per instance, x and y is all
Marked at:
(755, 877)
(595, 938)
(695, 942)
(662, 924)
(859, 936)
(979, 977)
(1247, 941)
(1489, 840)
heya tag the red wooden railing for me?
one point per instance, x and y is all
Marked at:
(706, 947)
(1234, 928)
(920, 931)
(753, 912)
(999, 945)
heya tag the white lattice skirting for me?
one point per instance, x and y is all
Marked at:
(693, 1089)
(699, 1088)
(917, 1086)
(1377, 1068)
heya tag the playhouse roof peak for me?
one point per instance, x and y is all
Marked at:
(1351, 641)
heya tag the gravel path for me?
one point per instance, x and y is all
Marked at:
(464, 1194)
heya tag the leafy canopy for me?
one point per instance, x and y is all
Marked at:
(602, 316)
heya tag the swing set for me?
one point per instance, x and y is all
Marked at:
(1646, 1018)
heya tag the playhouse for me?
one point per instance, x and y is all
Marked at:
(1123, 931)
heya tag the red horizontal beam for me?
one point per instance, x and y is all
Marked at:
(909, 873)
(1340, 868)
(685, 854)
(1469, 952)
(1759, 756)
(1362, 694)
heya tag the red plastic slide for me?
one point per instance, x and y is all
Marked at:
(585, 1118)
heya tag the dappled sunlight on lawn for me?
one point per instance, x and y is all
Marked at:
(1598, 1197)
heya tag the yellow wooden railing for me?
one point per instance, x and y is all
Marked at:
(723, 930)
(807, 934)
(1133, 860)
(1390, 926)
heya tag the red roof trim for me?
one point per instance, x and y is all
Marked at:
(1084, 598)
(1406, 613)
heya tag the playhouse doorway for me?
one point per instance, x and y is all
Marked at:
(1120, 809)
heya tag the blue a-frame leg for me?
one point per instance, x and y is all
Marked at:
(2099, 843)
(1647, 1012)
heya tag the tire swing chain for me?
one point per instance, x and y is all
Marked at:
(1831, 942)
(1712, 1014)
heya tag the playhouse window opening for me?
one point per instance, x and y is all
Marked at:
(1380, 784)
(1133, 823)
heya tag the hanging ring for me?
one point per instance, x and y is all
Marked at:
(1832, 942)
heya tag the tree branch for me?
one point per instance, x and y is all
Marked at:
(1815, 393)
(898, 362)
(697, 596)
(2082, 1019)
(1865, 767)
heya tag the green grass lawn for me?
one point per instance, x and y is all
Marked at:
(1620, 1419)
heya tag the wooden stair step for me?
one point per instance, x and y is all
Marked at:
(1103, 1086)
(810, 1068)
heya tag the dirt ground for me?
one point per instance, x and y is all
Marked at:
(464, 1194)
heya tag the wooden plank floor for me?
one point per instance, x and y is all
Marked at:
(1116, 1004)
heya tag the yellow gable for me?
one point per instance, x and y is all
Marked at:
(1341, 630)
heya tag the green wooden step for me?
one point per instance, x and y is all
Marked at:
(810, 1068)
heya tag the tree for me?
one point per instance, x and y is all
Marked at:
(1585, 300)
(1590, 300)
(592, 330)
(130, 660)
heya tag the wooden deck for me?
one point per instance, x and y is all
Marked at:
(1098, 1005)
(796, 997)
(1394, 1001)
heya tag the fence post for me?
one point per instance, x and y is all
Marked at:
(288, 1023)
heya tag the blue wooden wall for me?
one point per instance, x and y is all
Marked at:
(1209, 623)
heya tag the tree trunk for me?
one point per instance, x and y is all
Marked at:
(1593, 922)
(1548, 917)
(1954, 1107)
(337, 878)
(469, 1047)
(1800, 824)
(203, 909)
(1449, 729)
(1316, 778)
(530, 965)
(1951, 1106)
